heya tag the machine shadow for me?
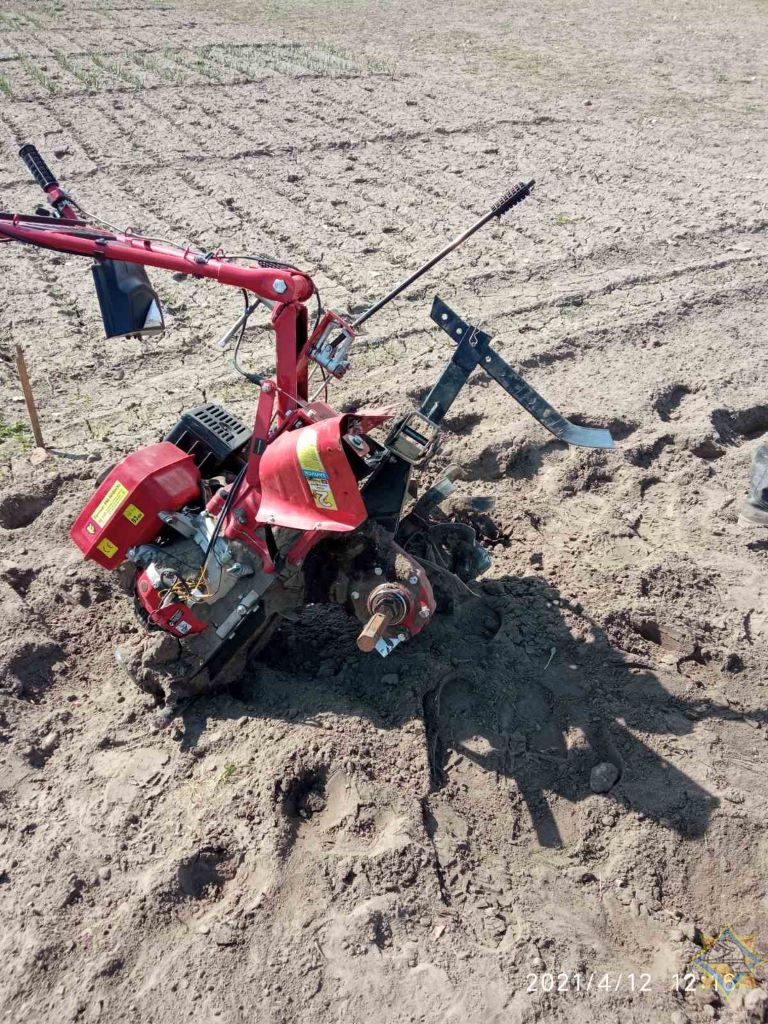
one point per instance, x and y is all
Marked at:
(515, 680)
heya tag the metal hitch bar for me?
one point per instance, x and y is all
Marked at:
(473, 348)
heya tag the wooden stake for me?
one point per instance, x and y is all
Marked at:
(29, 398)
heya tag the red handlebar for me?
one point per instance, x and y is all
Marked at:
(276, 284)
(68, 233)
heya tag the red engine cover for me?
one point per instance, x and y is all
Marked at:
(123, 511)
(175, 618)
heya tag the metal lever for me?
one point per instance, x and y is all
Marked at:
(224, 340)
(515, 195)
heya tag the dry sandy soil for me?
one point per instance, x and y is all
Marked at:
(346, 839)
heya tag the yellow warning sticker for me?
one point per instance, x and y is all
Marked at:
(133, 514)
(314, 470)
(111, 502)
(106, 547)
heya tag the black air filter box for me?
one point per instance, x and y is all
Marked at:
(211, 435)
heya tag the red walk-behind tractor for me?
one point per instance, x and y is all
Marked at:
(222, 527)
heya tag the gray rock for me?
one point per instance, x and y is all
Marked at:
(223, 934)
(603, 777)
(49, 743)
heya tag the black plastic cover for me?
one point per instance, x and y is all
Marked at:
(128, 302)
(211, 435)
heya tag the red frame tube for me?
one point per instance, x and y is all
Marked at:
(275, 284)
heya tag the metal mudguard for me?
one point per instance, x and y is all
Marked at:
(306, 479)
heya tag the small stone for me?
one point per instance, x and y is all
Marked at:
(688, 928)
(203, 929)
(678, 1018)
(38, 456)
(603, 777)
(49, 743)
(224, 935)
(676, 935)
(105, 873)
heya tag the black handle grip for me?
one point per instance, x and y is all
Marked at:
(513, 197)
(41, 172)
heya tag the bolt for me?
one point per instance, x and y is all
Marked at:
(413, 579)
(279, 286)
(402, 637)
(487, 359)
(236, 568)
(377, 570)
(424, 612)
(355, 594)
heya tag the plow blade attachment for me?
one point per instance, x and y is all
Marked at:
(474, 349)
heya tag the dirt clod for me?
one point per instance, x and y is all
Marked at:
(603, 777)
